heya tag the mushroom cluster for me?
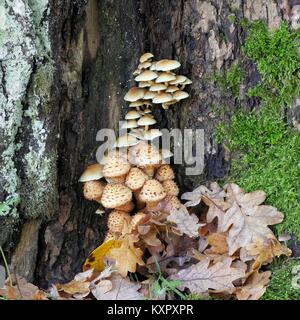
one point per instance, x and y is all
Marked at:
(157, 84)
(133, 182)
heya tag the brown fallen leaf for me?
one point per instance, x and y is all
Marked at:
(118, 289)
(202, 277)
(263, 251)
(186, 223)
(255, 286)
(218, 242)
(81, 286)
(127, 256)
(195, 197)
(246, 218)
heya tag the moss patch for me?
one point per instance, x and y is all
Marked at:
(265, 149)
(280, 286)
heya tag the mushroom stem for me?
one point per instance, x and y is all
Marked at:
(146, 128)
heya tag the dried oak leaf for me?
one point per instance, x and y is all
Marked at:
(201, 277)
(263, 251)
(186, 223)
(246, 218)
(195, 197)
(254, 287)
(117, 288)
(127, 256)
(218, 243)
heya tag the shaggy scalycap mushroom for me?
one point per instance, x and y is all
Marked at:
(164, 172)
(116, 221)
(152, 192)
(93, 190)
(171, 187)
(135, 179)
(116, 169)
(115, 195)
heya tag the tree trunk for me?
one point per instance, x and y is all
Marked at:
(65, 68)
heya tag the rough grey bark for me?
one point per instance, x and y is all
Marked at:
(65, 67)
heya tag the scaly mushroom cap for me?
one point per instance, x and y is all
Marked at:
(174, 202)
(114, 155)
(93, 190)
(115, 195)
(171, 187)
(164, 172)
(109, 236)
(146, 75)
(127, 207)
(136, 219)
(117, 167)
(144, 154)
(152, 191)
(92, 172)
(167, 65)
(135, 179)
(146, 56)
(134, 94)
(116, 221)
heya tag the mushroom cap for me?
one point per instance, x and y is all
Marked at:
(162, 98)
(144, 84)
(174, 202)
(138, 133)
(147, 111)
(158, 87)
(152, 134)
(167, 65)
(130, 124)
(144, 65)
(150, 95)
(187, 81)
(115, 195)
(172, 89)
(135, 179)
(114, 155)
(137, 103)
(126, 141)
(165, 77)
(116, 167)
(152, 191)
(164, 172)
(137, 218)
(171, 187)
(153, 66)
(144, 154)
(134, 94)
(116, 221)
(92, 172)
(146, 120)
(165, 153)
(132, 114)
(178, 79)
(146, 75)
(146, 56)
(179, 95)
(92, 190)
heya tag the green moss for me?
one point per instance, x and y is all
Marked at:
(280, 286)
(231, 80)
(265, 149)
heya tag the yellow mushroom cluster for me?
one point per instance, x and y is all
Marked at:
(133, 178)
(157, 83)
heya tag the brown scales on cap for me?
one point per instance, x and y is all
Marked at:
(116, 221)
(93, 190)
(135, 179)
(171, 187)
(115, 195)
(152, 192)
(164, 172)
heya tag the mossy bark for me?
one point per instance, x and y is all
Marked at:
(65, 68)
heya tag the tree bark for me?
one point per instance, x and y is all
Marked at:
(65, 68)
